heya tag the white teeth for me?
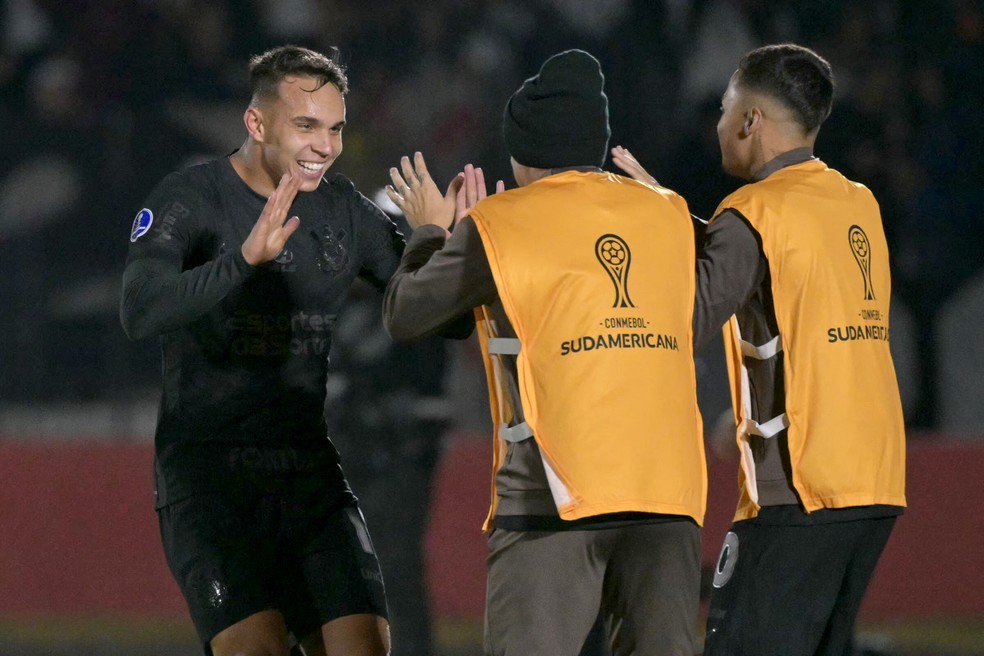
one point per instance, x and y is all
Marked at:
(311, 166)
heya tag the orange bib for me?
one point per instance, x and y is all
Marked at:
(822, 236)
(596, 274)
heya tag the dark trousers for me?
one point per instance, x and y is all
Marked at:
(792, 590)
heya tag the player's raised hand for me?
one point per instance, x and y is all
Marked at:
(472, 191)
(626, 161)
(416, 194)
(270, 232)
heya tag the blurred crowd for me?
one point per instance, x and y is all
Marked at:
(102, 98)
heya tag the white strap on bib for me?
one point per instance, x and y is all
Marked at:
(764, 352)
(503, 346)
(766, 429)
(516, 433)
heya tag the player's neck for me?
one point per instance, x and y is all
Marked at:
(247, 162)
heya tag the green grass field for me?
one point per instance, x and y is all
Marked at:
(142, 637)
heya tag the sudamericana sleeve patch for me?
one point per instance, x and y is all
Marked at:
(141, 224)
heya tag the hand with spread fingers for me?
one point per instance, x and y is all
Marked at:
(626, 161)
(472, 190)
(416, 194)
(270, 233)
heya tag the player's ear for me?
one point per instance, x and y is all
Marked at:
(253, 118)
(753, 119)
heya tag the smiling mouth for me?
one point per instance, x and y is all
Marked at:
(312, 167)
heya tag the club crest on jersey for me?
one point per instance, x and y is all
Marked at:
(141, 224)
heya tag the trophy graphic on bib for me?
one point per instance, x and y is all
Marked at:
(614, 255)
(861, 248)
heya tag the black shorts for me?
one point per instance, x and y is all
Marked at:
(236, 552)
(792, 589)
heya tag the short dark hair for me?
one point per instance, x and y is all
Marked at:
(796, 76)
(267, 70)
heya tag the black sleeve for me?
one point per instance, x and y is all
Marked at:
(158, 293)
(381, 241)
(730, 266)
(437, 283)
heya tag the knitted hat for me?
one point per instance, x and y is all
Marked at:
(559, 117)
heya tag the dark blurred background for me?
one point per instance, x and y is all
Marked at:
(99, 99)
(102, 98)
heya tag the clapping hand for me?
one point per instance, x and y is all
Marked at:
(472, 191)
(416, 194)
(270, 232)
(626, 161)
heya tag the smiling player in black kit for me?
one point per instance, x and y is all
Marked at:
(240, 265)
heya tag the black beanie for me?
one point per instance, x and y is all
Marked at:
(560, 116)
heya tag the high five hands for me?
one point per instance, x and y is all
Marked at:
(416, 194)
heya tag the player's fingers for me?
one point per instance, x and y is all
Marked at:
(408, 173)
(468, 189)
(270, 215)
(480, 190)
(420, 166)
(500, 186)
(284, 186)
(292, 224)
(281, 199)
(395, 197)
(455, 186)
(399, 185)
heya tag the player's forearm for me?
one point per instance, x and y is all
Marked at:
(435, 286)
(729, 267)
(155, 301)
(412, 301)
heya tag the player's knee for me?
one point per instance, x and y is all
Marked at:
(261, 648)
(364, 634)
(262, 634)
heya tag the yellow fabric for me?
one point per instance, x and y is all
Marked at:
(822, 236)
(596, 274)
(502, 410)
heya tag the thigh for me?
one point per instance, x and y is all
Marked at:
(331, 573)
(775, 588)
(220, 551)
(869, 539)
(652, 590)
(543, 592)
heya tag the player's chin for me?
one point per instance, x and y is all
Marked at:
(310, 183)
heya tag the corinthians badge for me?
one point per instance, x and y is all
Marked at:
(615, 257)
(861, 248)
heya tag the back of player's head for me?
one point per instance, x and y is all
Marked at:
(267, 70)
(559, 117)
(795, 76)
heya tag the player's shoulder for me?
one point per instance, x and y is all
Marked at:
(180, 197)
(340, 192)
(337, 183)
(199, 178)
(336, 192)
